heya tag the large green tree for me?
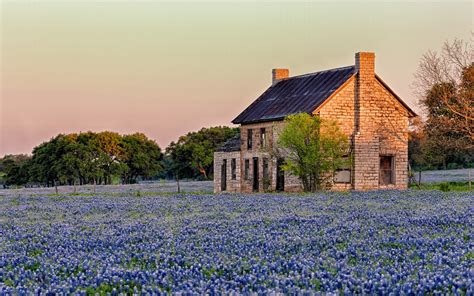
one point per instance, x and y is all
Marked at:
(141, 156)
(313, 149)
(15, 168)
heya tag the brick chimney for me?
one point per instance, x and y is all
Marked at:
(279, 74)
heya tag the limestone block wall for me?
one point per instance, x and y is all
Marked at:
(232, 185)
(341, 108)
(392, 129)
(381, 129)
(260, 152)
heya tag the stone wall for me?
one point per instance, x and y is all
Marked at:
(376, 124)
(392, 129)
(233, 185)
(258, 151)
(340, 108)
(380, 128)
(272, 130)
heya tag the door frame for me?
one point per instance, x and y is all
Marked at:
(392, 169)
(224, 175)
(280, 176)
(255, 175)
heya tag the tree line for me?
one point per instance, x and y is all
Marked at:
(108, 157)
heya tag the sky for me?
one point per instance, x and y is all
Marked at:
(167, 68)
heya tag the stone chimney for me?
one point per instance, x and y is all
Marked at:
(279, 74)
(364, 89)
(366, 138)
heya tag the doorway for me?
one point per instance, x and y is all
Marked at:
(255, 174)
(224, 175)
(280, 175)
(386, 170)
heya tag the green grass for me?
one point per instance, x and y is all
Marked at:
(445, 186)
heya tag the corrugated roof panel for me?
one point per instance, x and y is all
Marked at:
(302, 93)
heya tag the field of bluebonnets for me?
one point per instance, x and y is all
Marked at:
(140, 241)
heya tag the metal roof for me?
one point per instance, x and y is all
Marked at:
(233, 144)
(303, 93)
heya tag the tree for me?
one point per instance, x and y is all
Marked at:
(141, 156)
(67, 161)
(313, 149)
(444, 83)
(16, 169)
(108, 143)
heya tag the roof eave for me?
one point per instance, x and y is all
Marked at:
(243, 122)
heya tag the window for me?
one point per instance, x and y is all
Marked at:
(386, 170)
(247, 169)
(249, 139)
(263, 138)
(343, 174)
(233, 168)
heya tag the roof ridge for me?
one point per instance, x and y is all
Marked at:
(322, 71)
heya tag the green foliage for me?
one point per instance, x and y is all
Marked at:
(15, 169)
(192, 155)
(141, 157)
(444, 186)
(313, 149)
(86, 158)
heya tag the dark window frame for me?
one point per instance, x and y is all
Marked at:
(263, 137)
(249, 139)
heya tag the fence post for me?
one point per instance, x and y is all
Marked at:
(469, 178)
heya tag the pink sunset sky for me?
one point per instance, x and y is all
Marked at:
(165, 68)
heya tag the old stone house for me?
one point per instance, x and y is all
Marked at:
(374, 118)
